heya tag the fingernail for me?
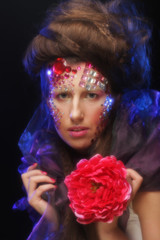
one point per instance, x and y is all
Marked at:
(53, 180)
(44, 173)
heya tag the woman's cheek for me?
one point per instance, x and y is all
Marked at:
(56, 113)
(105, 111)
(101, 119)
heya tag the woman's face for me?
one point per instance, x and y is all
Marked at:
(79, 102)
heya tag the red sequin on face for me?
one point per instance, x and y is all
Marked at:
(66, 76)
(59, 67)
(89, 65)
(68, 69)
(74, 71)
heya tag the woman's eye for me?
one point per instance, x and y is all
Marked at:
(62, 96)
(92, 95)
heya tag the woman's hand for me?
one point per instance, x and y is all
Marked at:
(135, 180)
(32, 180)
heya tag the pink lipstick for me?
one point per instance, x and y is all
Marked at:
(78, 131)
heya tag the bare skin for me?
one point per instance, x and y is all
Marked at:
(146, 205)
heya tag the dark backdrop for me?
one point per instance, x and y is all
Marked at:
(20, 21)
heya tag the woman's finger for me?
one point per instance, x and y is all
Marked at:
(36, 201)
(37, 194)
(35, 180)
(27, 175)
(135, 179)
(33, 166)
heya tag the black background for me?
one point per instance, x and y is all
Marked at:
(20, 21)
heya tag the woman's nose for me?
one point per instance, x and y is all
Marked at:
(76, 113)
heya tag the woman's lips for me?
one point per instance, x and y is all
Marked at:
(78, 131)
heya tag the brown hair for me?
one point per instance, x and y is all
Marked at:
(109, 35)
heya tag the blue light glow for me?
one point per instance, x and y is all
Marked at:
(49, 72)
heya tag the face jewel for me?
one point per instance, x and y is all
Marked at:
(105, 113)
(79, 68)
(106, 108)
(89, 65)
(93, 73)
(59, 67)
(82, 84)
(101, 85)
(68, 69)
(56, 114)
(107, 105)
(91, 78)
(88, 87)
(74, 71)
(66, 76)
(60, 70)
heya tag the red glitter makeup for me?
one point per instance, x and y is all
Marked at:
(58, 71)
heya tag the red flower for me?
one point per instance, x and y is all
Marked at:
(98, 189)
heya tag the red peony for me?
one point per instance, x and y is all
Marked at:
(98, 189)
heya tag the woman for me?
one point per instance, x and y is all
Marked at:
(94, 67)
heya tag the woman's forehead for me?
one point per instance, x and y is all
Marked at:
(61, 73)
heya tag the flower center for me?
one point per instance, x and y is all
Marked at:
(94, 186)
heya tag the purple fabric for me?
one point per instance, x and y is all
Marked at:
(136, 136)
(45, 155)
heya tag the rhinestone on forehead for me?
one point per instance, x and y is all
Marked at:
(91, 78)
(59, 72)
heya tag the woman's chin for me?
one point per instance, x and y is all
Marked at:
(82, 148)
